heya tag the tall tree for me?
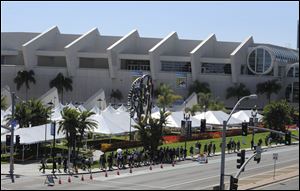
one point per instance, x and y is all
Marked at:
(31, 112)
(3, 103)
(166, 97)
(26, 77)
(277, 115)
(204, 99)
(150, 131)
(269, 87)
(116, 94)
(69, 126)
(85, 124)
(198, 87)
(237, 91)
(61, 82)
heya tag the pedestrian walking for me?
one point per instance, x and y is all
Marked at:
(205, 148)
(214, 149)
(59, 164)
(43, 162)
(238, 145)
(65, 162)
(192, 151)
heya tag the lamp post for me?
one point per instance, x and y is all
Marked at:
(53, 132)
(252, 96)
(13, 123)
(253, 114)
(186, 117)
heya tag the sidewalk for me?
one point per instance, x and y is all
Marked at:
(33, 169)
(267, 178)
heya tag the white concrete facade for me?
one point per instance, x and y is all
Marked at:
(96, 62)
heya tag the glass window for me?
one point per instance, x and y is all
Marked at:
(211, 68)
(259, 61)
(168, 66)
(135, 65)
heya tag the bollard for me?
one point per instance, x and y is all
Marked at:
(82, 179)
(91, 176)
(105, 173)
(59, 181)
(118, 172)
(173, 164)
(150, 167)
(69, 179)
(130, 171)
(161, 165)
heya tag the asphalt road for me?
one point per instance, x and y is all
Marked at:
(187, 175)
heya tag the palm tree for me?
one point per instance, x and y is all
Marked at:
(150, 130)
(237, 91)
(31, 112)
(69, 125)
(268, 87)
(85, 123)
(166, 96)
(198, 87)
(3, 103)
(61, 82)
(26, 77)
(40, 114)
(193, 109)
(116, 94)
(204, 99)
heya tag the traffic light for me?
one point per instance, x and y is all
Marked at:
(251, 121)
(244, 129)
(8, 137)
(17, 140)
(288, 138)
(233, 183)
(257, 157)
(189, 129)
(241, 160)
(203, 125)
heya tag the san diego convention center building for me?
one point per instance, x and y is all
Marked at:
(95, 61)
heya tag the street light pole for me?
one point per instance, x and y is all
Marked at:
(253, 96)
(253, 114)
(53, 132)
(11, 166)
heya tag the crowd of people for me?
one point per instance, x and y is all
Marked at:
(123, 159)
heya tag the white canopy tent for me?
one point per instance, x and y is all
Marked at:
(217, 118)
(175, 118)
(122, 108)
(244, 115)
(35, 134)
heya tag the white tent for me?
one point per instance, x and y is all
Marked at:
(217, 118)
(96, 110)
(109, 109)
(107, 126)
(175, 118)
(122, 108)
(155, 109)
(244, 115)
(35, 134)
(81, 108)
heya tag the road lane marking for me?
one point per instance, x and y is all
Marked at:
(179, 184)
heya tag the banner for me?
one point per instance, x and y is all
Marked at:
(181, 80)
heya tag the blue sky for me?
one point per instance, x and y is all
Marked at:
(267, 22)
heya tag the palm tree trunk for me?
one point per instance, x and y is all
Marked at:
(26, 91)
(62, 96)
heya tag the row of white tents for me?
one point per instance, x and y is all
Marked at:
(117, 121)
